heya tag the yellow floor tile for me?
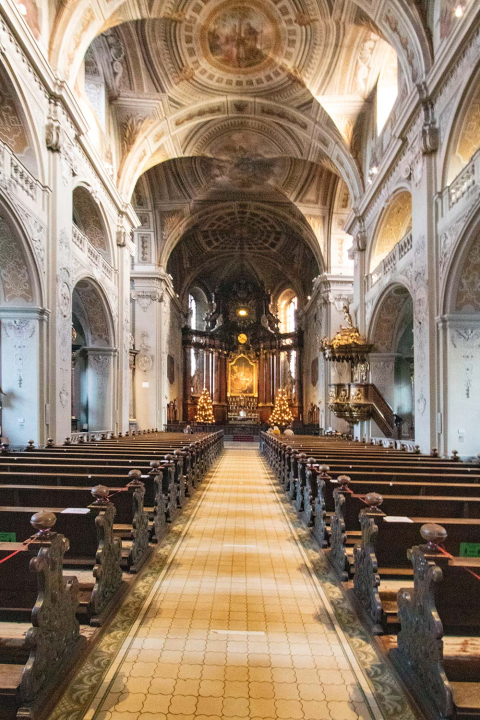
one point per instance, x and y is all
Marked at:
(237, 630)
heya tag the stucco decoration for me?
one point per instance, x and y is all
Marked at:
(249, 46)
(12, 131)
(469, 140)
(14, 273)
(467, 340)
(468, 293)
(91, 309)
(396, 222)
(243, 143)
(386, 319)
(20, 331)
(87, 217)
(240, 37)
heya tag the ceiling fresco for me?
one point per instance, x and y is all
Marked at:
(221, 103)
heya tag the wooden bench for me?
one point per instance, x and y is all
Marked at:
(46, 643)
(93, 549)
(438, 646)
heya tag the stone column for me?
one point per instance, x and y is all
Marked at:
(298, 380)
(460, 351)
(336, 291)
(206, 370)
(132, 408)
(425, 280)
(217, 382)
(100, 379)
(23, 345)
(187, 374)
(147, 296)
(278, 378)
(58, 366)
(125, 251)
(261, 378)
(360, 272)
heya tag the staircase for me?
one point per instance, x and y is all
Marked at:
(382, 413)
(354, 402)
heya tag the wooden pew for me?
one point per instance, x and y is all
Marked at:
(93, 548)
(35, 660)
(131, 521)
(438, 646)
(380, 558)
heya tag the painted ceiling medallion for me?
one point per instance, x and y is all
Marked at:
(240, 37)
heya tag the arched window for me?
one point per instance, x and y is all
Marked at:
(291, 315)
(192, 306)
(287, 308)
(387, 89)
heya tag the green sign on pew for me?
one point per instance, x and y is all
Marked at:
(469, 549)
(8, 537)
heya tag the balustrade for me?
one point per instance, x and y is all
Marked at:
(17, 174)
(93, 255)
(389, 263)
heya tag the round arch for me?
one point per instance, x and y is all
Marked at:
(463, 136)
(20, 131)
(459, 341)
(392, 360)
(23, 324)
(90, 219)
(294, 219)
(93, 358)
(20, 278)
(394, 223)
(386, 316)
(200, 308)
(400, 24)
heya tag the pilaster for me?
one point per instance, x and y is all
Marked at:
(60, 281)
(423, 288)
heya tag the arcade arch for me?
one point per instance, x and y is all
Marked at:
(93, 359)
(394, 225)
(23, 333)
(460, 345)
(88, 219)
(392, 359)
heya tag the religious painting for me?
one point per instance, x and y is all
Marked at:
(242, 376)
(240, 36)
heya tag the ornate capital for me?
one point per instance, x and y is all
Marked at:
(54, 135)
(429, 134)
(146, 297)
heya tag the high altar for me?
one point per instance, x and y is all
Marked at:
(242, 357)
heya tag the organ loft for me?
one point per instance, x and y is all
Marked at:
(239, 359)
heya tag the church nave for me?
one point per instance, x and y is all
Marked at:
(239, 623)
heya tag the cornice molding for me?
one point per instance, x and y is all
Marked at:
(60, 92)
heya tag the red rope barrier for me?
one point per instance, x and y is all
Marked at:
(26, 542)
(447, 554)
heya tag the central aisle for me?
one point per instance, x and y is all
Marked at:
(240, 627)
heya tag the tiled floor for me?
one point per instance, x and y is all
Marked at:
(239, 628)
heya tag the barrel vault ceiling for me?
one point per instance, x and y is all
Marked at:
(244, 119)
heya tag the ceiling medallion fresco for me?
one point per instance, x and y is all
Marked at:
(251, 46)
(240, 38)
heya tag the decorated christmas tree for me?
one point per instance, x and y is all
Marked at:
(205, 408)
(281, 414)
